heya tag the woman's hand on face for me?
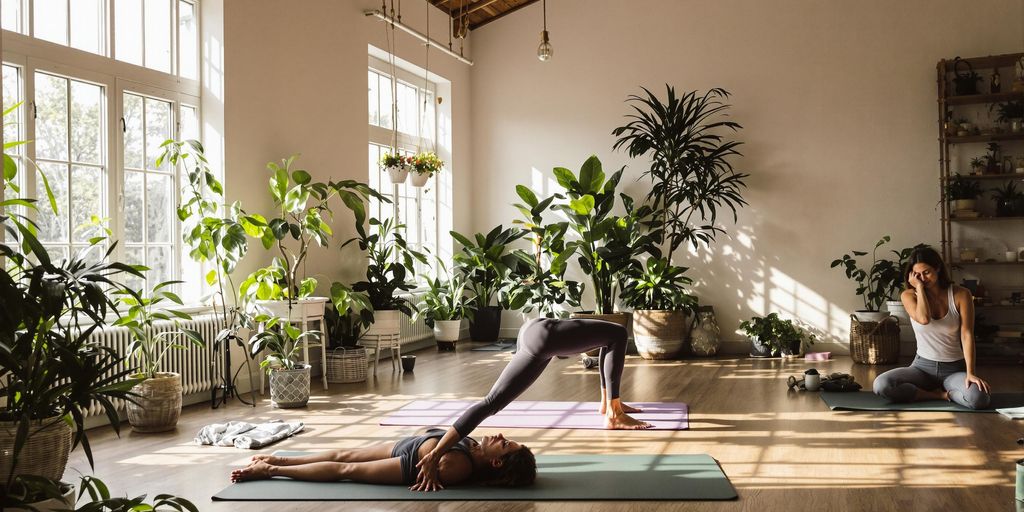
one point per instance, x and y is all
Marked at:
(427, 479)
(971, 378)
(915, 280)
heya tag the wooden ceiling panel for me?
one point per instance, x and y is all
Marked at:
(480, 12)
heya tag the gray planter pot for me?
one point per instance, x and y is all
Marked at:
(289, 388)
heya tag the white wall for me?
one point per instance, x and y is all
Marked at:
(295, 82)
(837, 100)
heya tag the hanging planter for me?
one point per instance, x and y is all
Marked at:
(424, 165)
(397, 167)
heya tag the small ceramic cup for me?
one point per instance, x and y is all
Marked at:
(408, 363)
(812, 380)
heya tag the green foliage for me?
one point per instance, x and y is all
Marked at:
(487, 263)
(28, 490)
(149, 345)
(883, 280)
(659, 285)
(691, 171)
(444, 299)
(281, 341)
(49, 366)
(1008, 192)
(1008, 111)
(774, 333)
(391, 267)
(392, 160)
(350, 315)
(426, 163)
(962, 188)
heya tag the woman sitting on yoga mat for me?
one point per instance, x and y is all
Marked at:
(540, 340)
(494, 461)
(942, 315)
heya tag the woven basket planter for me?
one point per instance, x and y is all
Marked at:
(615, 318)
(659, 334)
(289, 388)
(874, 342)
(347, 365)
(158, 405)
(45, 453)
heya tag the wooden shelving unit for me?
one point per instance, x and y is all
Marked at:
(947, 105)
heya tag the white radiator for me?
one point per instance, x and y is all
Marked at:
(192, 363)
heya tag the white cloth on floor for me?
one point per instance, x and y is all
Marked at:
(1014, 413)
(241, 434)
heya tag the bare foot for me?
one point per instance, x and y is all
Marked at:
(625, 408)
(256, 471)
(631, 410)
(624, 422)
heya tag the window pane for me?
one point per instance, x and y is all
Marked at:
(158, 259)
(86, 123)
(12, 12)
(12, 95)
(385, 108)
(57, 252)
(187, 40)
(427, 117)
(133, 199)
(53, 227)
(158, 35)
(52, 26)
(407, 111)
(189, 123)
(128, 34)
(52, 117)
(134, 256)
(159, 206)
(86, 184)
(87, 22)
(158, 130)
(133, 131)
(374, 97)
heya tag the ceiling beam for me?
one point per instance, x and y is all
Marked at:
(510, 11)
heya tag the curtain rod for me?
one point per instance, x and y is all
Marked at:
(415, 33)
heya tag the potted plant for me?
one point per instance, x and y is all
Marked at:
(44, 495)
(657, 293)
(50, 366)
(1010, 112)
(444, 305)
(396, 165)
(606, 245)
(486, 262)
(978, 165)
(880, 282)
(345, 321)
(1007, 199)
(156, 405)
(963, 192)
(391, 267)
(281, 343)
(691, 162)
(772, 336)
(424, 165)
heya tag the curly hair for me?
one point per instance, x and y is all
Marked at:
(518, 469)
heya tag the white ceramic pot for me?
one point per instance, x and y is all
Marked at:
(385, 323)
(398, 174)
(871, 316)
(447, 330)
(419, 179)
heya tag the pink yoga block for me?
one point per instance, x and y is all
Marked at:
(818, 356)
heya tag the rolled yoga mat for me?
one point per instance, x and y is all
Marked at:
(495, 347)
(559, 478)
(526, 414)
(866, 401)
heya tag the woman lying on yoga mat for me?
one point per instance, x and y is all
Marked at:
(942, 315)
(540, 340)
(493, 461)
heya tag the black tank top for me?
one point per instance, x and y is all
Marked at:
(408, 450)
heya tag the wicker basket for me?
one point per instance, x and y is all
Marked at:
(158, 405)
(346, 365)
(45, 454)
(660, 334)
(875, 342)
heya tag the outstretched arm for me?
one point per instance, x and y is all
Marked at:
(965, 302)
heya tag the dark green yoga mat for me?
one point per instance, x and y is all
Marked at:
(559, 478)
(866, 401)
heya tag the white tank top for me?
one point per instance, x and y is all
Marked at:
(939, 340)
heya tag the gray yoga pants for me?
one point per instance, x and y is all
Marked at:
(901, 384)
(539, 341)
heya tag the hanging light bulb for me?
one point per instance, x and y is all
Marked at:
(545, 51)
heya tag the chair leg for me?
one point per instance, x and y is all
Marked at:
(376, 357)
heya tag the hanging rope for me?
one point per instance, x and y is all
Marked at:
(426, 81)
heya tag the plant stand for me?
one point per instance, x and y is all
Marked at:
(381, 342)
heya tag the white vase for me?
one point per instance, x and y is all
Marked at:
(447, 330)
(308, 307)
(398, 174)
(385, 323)
(419, 179)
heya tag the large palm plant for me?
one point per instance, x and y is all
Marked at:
(690, 161)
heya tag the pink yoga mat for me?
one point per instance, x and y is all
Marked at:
(583, 415)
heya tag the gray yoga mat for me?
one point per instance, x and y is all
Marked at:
(495, 347)
(866, 401)
(559, 478)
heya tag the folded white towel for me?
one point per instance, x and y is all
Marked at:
(1014, 413)
(241, 434)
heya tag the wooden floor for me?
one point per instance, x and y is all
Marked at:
(781, 450)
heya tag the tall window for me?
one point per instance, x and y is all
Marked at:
(97, 135)
(416, 118)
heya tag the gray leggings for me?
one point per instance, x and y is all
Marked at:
(539, 341)
(901, 384)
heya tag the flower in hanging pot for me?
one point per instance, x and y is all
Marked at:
(396, 165)
(424, 165)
